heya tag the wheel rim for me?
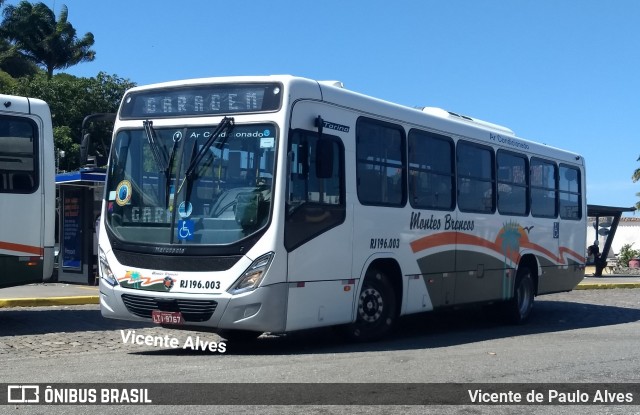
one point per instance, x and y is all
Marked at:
(370, 305)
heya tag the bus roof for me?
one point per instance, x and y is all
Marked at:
(445, 122)
(21, 105)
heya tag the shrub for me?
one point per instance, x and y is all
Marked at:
(627, 253)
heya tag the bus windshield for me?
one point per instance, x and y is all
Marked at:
(177, 186)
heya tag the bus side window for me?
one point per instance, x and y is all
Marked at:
(380, 163)
(475, 178)
(430, 170)
(512, 183)
(18, 148)
(543, 188)
(569, 193)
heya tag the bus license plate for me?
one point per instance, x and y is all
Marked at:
(167, 317)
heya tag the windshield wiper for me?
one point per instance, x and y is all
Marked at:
(226, 124)
(177, 137)
(159, 153)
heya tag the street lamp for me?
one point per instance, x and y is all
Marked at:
(59, 154)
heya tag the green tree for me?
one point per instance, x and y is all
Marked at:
(71, 99)
(7, 82)
(63, 139)
(36, 35)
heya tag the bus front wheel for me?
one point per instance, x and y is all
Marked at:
(376, 311)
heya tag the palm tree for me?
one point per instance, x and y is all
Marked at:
(11, 61)
(51, 44)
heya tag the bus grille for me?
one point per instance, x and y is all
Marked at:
(192, 310)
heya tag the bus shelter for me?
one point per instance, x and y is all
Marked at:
(78, 207)
(606, 220)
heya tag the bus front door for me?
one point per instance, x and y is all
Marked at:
(317, 236)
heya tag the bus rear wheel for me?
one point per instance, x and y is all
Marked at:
(519, 307)
(376, 313)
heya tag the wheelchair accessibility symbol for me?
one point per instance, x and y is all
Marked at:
(185, 229)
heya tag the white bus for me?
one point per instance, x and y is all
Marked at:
(246, 205)
(27, 191)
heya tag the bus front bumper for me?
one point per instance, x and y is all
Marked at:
(260, 310)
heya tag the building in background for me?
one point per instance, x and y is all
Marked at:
(628, 232)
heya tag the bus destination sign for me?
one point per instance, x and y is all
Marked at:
(197, 100)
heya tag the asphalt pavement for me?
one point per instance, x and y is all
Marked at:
(52, 294)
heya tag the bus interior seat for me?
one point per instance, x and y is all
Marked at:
(234, 176)
(437, 194)
(471, 196)
(369, 185)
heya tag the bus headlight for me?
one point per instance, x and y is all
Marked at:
(105, 270)
(251, 278)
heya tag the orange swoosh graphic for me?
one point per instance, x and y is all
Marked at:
(449, 238)
(128, 277)
(27, 249)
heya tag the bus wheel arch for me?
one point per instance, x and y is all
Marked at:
(391, 268)
(529, 261)
(378, 302)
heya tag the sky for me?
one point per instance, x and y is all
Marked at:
(564, 73)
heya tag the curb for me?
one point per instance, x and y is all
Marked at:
(606, 286)
(51, 301)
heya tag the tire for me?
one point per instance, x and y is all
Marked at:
(376, 313)
(519, 307)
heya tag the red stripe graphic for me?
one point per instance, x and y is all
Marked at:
(449, 238)
(26, 249)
